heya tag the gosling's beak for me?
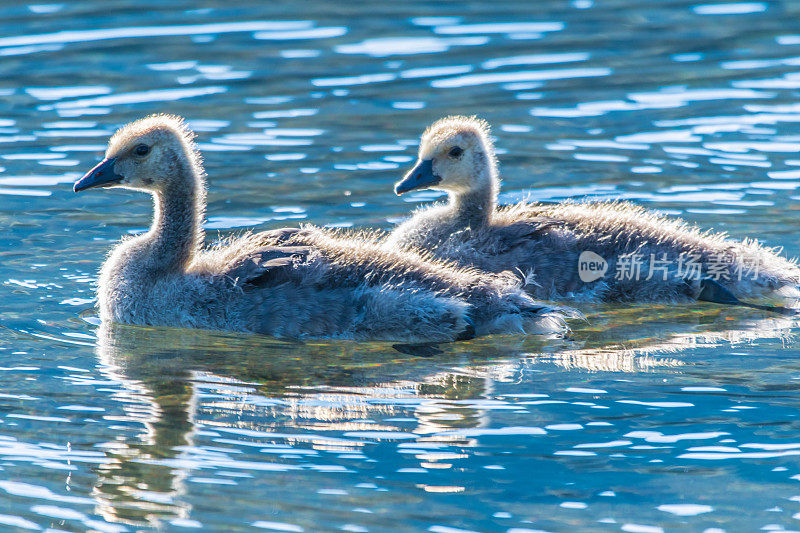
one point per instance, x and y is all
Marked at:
(102, 175)
(419, 177)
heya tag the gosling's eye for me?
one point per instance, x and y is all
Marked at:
(141, 149)
(455, 151)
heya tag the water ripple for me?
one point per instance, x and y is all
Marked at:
(78, 36)
(471, 80)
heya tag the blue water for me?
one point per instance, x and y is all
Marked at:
(649, 418)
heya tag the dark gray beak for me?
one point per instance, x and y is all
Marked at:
(102, 175)
(419, 177)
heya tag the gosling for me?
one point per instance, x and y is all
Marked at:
(586, 251)
(292, 283)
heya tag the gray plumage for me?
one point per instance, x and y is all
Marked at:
(296, 283)
(543, 242)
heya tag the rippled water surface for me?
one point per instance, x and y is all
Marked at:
(648, 419)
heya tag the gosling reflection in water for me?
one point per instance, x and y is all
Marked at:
(309, 397)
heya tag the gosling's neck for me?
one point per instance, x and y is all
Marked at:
(174, 237)
(176, 233)
(474, 207)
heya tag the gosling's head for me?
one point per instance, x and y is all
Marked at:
(455, 155)
(153, 154)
